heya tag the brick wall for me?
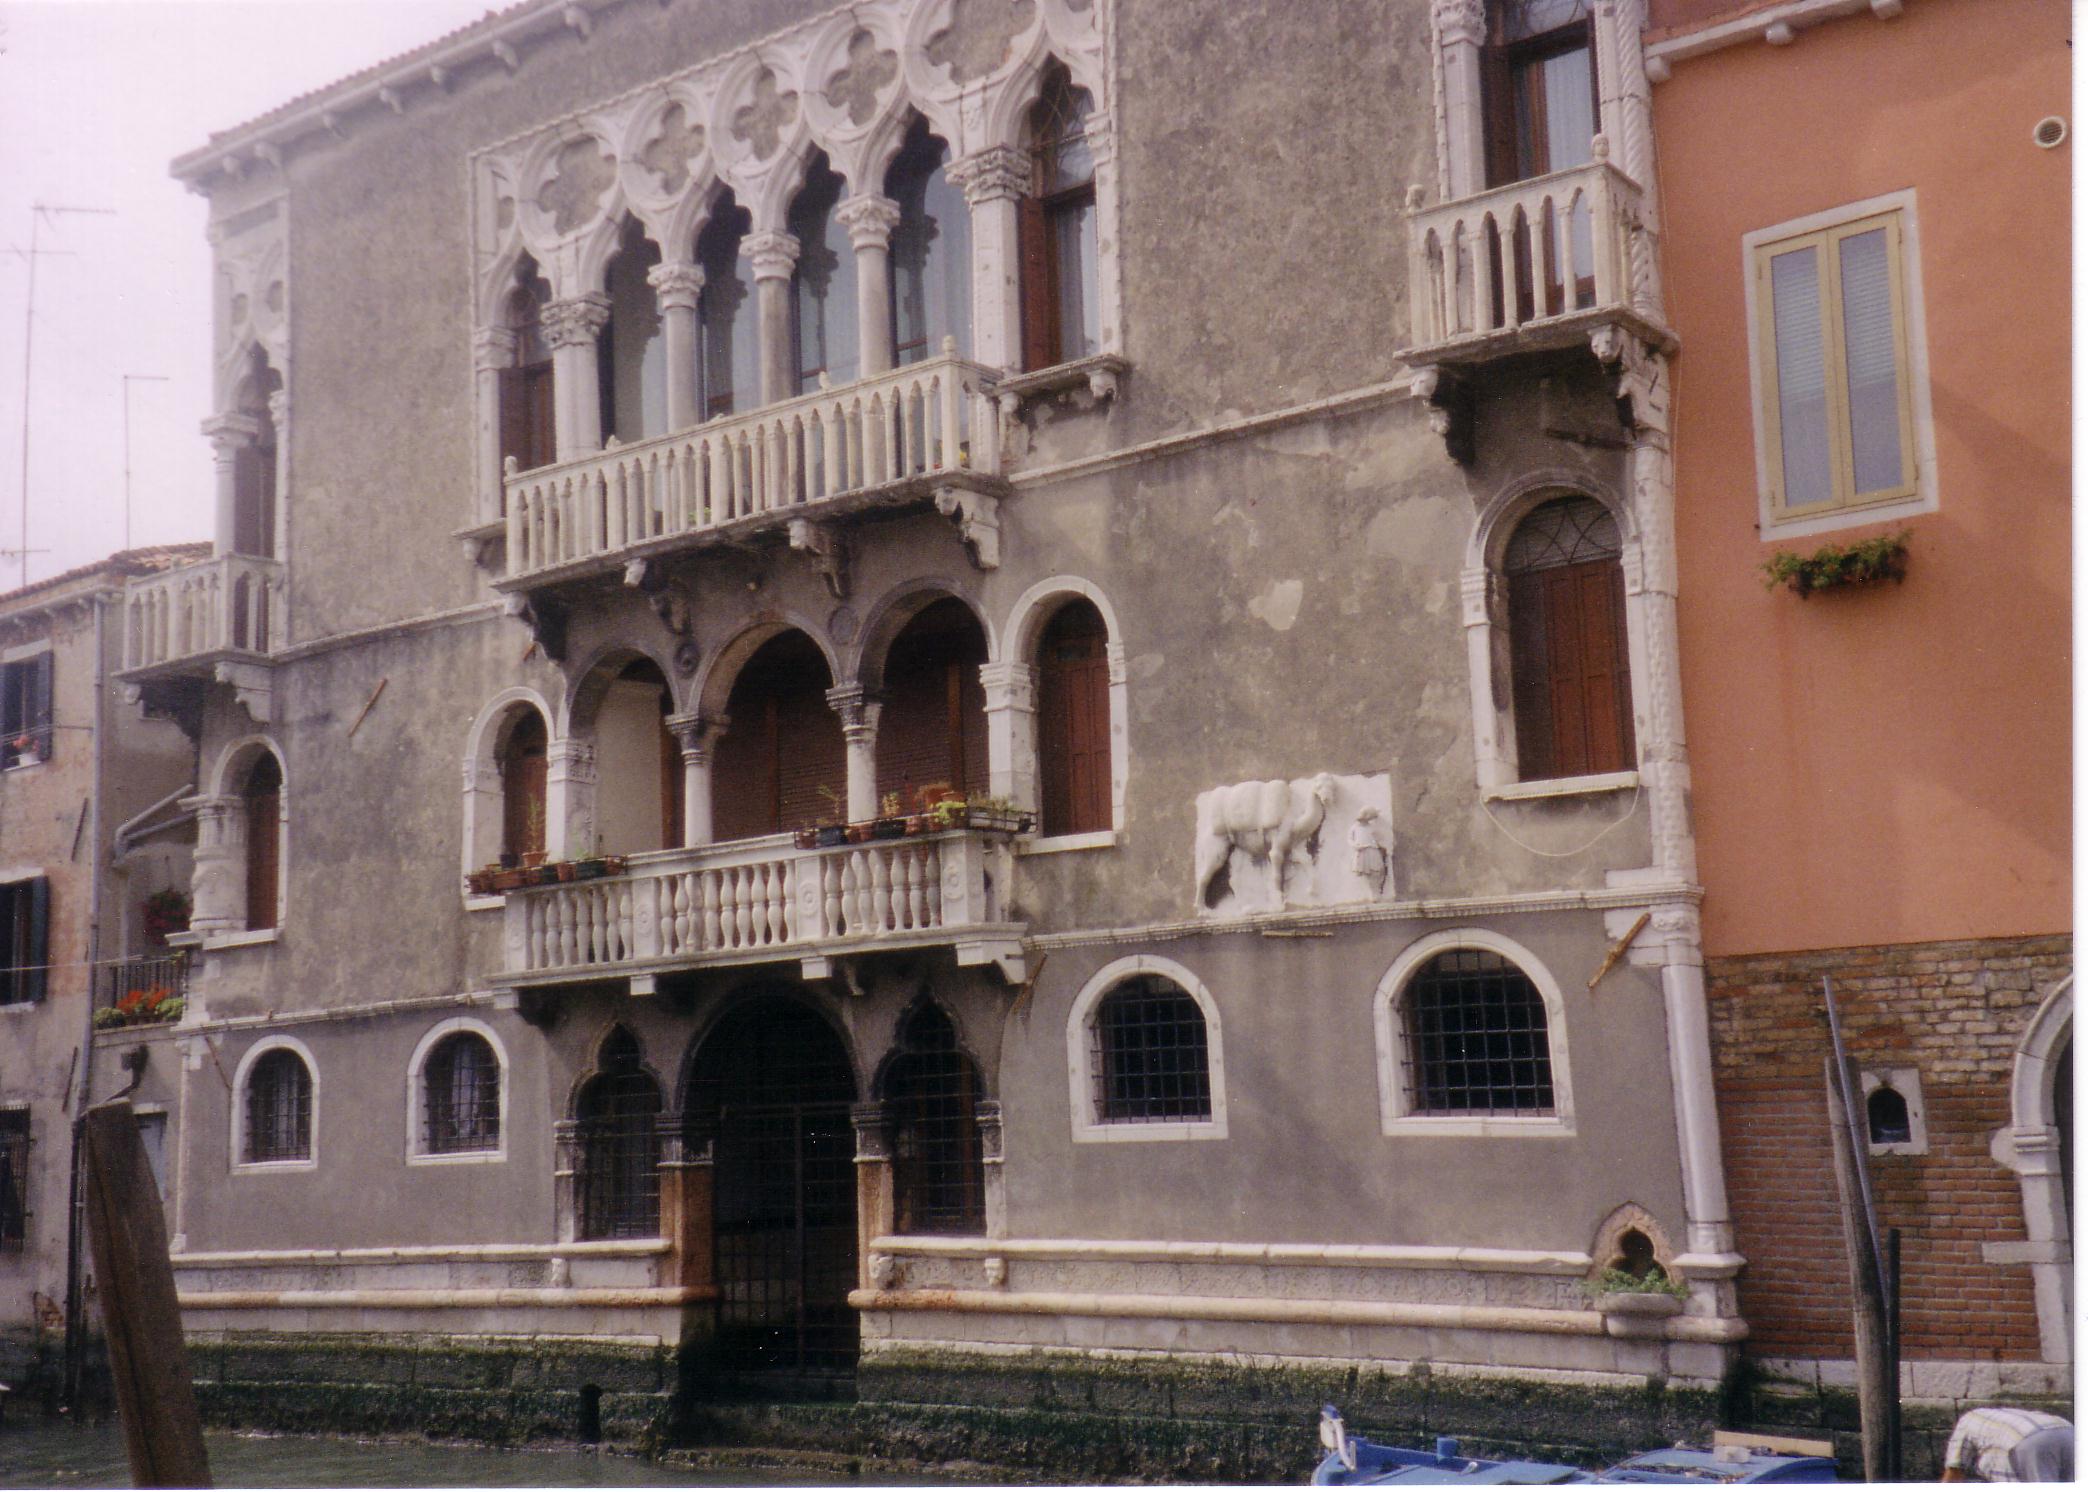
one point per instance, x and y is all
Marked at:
(1955, 1011)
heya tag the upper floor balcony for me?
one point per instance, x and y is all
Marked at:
(764, 901)
(910, 435)
(1536, 264)
(186, 621)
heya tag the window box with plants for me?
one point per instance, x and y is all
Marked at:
(497, 879)
(156, 1006)
(1866, 562)
(1636, 1305)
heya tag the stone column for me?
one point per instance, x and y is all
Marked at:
(217, 883)
(870, 220)
(492, 353)
(987, 1114)
(698, 735)
(569, 799)
(279, 525)
(993, 181)
(228, 434)
(1460, 27)
(873, 1194)
(1011, 731)
(859, 709)
(571, 326)
(679, 287)
(774, 257)
(1102, 146)
(565, 1184)
(685, 1206)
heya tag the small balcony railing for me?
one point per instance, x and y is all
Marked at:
(1526, 264)
(763, 900)
(231, 604)
(775, 463)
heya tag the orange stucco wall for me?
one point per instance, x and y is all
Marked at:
(1887, 764)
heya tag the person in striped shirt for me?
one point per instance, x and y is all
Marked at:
(2010, 1445)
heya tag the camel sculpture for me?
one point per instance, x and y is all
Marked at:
(1265, 820)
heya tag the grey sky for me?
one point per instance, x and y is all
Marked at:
(96, 97)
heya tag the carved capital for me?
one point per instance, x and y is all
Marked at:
(773, 255)
(1460, 22)
(1479, 592)
(697, 734)
(576, 322)
(858, 709)
(978, 522)
(229, 434)
(1642, 378)
(570, 761)
(995, 174)
(1451, 412)
(869, 1122)
(869, 220)
(1009, 686)
(279, 411)
(677, 285)
(829, 550)
(987, 1114)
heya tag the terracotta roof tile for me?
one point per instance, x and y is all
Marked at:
(148, 560)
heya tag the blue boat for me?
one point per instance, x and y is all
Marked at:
(1355, 1462)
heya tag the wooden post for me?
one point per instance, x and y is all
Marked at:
(1874, 1393)
(155, 1397)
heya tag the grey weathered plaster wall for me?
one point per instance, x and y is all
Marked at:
(1305, 1158)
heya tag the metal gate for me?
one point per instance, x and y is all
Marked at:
(773, 1089)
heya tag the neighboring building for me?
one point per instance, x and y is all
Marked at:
(650, 430)
(76, 764)
(1866, 229)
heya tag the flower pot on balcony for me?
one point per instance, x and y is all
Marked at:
(566, 870)
(857, 833)
(887, 828)
(589, 870)
(920, 823)
(805, 839)
(480, 882)
(829, 835)
(531, 859)
(511, 879)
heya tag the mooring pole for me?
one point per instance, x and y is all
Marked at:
(148, 1360)
(1872, 1395)
(1895, 1459)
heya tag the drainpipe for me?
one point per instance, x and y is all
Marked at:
(75, 1281)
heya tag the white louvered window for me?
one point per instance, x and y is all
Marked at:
(1834, 378)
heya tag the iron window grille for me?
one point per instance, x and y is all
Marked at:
(279, 1108)
(461, 1084)
(14, 1175)
(619, 1140)
(1476, 1038)
(1150, 1053)
(931, 1108)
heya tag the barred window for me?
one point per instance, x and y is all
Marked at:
(619, 1113)
(1151, 1060)
(279, 1108)
(1476, 1038)
(931, 1093)
(461, 1096)
(14, 1174)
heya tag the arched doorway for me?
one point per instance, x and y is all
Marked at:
(771, 1089)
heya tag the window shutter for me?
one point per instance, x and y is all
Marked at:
(38, 944)
(1039, 302)
(38, 720)
(1530, 675)
(264, 835)
(1497, 104)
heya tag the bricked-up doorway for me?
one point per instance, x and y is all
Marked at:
(771, 1090)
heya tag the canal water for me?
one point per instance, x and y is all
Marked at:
(67, 1456)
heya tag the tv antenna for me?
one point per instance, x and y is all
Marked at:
(38, 211)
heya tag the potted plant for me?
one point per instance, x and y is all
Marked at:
(166, 912)
(889, 824)
(1636, 1305)
(141, 1007)
(1863, 563)
(26, 749)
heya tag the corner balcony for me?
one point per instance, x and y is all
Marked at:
(1533, 265)
(927, 432)
(214, 622)
(757, 901)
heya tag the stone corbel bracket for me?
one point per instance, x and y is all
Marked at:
(1451, 411)
(977, 515)
(829, 550)
(546, 620)
(252, 685)
(1004, 953)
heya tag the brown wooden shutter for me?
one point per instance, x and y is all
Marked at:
(514, 415)
(1040, 339)
(672, 786)
(523, 790)
(36, 946)
(264, 837)
(1572, 683)
(36, 717)
(538, 443)
(1073, 723)
(1497, 106)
